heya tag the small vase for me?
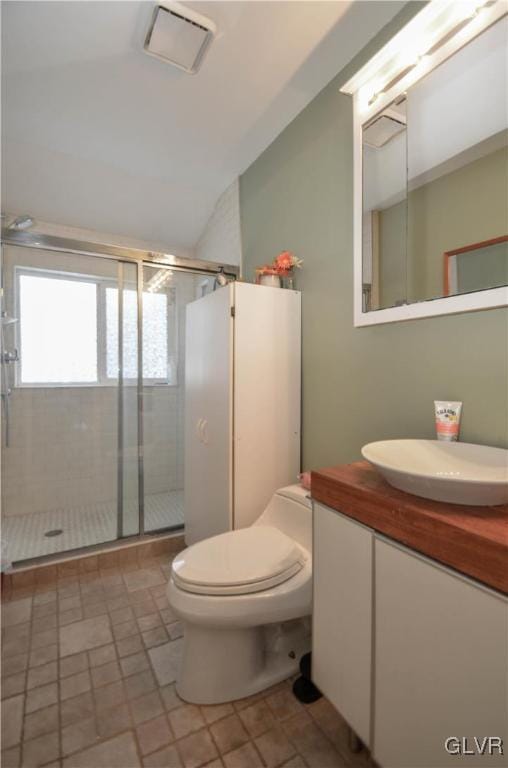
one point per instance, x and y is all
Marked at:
(271, 280)
(287, 281)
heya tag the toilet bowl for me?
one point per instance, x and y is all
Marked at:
(244, 598)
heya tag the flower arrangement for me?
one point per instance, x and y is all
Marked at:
(281, 266)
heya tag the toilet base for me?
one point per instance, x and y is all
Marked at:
(221, 665)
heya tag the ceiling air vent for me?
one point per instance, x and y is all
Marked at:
(179, 36)
(382, 130)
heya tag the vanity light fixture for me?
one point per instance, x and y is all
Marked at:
(431, 36)
(435, 47)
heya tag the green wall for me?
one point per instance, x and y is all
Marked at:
(373, 383)
(466, 206)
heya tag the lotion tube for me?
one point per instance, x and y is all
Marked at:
(447, 419)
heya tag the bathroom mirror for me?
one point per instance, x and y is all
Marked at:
(431, 177)
(385, 208)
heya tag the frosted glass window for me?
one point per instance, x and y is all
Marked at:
(58, 330)
(155, 335)
(130, 334)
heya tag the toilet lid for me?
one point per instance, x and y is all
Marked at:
(238, 562)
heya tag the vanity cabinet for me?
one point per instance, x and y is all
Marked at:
(434, 644)
(441, 662)
(342, 615)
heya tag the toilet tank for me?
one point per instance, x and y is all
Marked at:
(290, 511)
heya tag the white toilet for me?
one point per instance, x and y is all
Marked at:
(245, 598)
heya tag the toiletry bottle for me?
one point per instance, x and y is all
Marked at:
(447, 415)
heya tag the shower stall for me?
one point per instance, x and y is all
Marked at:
(92, 391)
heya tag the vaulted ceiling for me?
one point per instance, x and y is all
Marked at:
(97, 134)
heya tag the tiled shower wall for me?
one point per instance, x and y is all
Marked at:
(221, 239)
(62, 449)
(63, 446)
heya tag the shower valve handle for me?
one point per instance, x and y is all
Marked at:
(10, 357)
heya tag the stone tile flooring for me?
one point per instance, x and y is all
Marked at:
(89, 664)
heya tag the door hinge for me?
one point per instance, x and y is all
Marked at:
(232, 311)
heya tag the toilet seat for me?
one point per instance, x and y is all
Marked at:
(238, 562)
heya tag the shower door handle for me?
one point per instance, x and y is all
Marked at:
(202, 431)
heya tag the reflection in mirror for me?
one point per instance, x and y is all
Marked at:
(446, 232)
(476, 267)
(384, 149)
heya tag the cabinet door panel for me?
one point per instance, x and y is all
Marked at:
(208, 416)
(267, 396)
(342, 615)
(441, 662)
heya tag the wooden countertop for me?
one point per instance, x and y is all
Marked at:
(473, 540)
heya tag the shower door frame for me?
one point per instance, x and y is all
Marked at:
(122, 255)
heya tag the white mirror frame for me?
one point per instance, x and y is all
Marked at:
(401, 64)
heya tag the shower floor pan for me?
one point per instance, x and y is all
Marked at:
(62, 530)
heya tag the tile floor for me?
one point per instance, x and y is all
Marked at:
(85, 525)
(89, 664)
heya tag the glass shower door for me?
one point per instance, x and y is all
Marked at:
(123, 360)
(92, 395)
(166, 293)
(69, 424)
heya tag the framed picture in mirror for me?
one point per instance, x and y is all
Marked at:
(474, 267)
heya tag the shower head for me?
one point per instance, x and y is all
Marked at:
(21, 222)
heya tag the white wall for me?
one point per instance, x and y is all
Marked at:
(55, 187)
(221, 238)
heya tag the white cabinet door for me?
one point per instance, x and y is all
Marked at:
(267, 372)
(441, 652)
(208, 416)
(342, 615)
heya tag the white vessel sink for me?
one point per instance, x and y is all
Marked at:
(459, 473)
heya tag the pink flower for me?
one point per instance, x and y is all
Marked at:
(285, 260)
(283, 265)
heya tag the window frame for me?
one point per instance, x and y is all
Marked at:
(102, 284)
